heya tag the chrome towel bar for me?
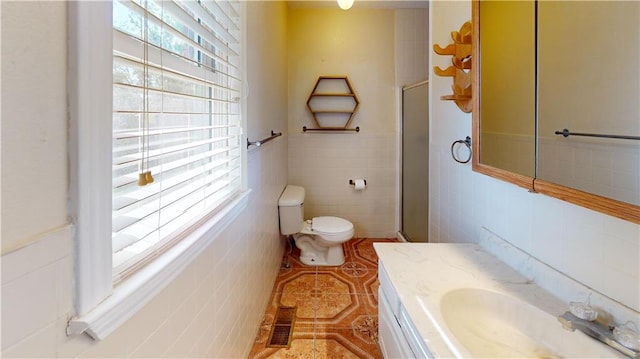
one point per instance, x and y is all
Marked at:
(264, 140)
(567, 133)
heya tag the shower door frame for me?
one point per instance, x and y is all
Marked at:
(402, 233)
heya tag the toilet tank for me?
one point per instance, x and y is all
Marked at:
(291, 209)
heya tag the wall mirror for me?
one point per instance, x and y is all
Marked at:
(545, 69)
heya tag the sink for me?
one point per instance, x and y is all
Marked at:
(495, 325)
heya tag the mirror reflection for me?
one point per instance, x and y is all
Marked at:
(589, 82)
(507, 101)
(547, 66)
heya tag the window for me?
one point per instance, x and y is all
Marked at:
(156, 155)
(176, 120)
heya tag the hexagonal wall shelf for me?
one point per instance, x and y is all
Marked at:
(332, 103)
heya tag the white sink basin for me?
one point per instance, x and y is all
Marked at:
(495, 325)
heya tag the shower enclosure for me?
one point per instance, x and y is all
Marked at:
(415, 163)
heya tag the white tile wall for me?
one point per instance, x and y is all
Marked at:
(213, 308)
(553, 280)
(592, 165)
(594, 250)
(36, 285)
(324, 164)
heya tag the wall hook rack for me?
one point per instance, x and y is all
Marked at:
(460, 70)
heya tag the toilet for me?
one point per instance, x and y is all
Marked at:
(320, 238)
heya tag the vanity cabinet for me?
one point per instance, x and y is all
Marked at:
(397, 334)
(390, 337)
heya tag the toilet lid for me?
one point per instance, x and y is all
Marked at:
(330, 225)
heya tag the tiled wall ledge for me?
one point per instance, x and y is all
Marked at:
(562, 286)
(36, 285)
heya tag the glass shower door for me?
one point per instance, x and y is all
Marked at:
(415, 163)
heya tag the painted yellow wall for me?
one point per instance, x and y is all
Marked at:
(358, 43)
(34, 121)
(266, 75)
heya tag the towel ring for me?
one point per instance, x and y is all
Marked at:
(467, 142)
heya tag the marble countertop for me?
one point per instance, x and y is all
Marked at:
(422, 273)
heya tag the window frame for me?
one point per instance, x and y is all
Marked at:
(198, 92)
(100, 305)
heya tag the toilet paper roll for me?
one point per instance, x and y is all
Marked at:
(359, 184)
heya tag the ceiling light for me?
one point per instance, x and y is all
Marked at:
(345, 4)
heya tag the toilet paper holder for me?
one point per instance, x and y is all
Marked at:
(353, 183)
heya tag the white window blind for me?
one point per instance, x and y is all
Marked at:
(176, 115)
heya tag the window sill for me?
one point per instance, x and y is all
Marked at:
(135, 292)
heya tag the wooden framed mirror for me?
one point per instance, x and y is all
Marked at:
(531, 76)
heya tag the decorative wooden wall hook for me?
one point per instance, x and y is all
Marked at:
(460, 50)
(448, 72)
(449, 50)
(464, 35)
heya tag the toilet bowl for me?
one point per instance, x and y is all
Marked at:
(319, 239)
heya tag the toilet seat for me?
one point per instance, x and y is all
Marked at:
(331, 227)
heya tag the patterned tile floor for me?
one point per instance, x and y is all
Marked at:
(337, 307)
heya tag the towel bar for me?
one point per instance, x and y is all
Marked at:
(567, 133)
(264, 140)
